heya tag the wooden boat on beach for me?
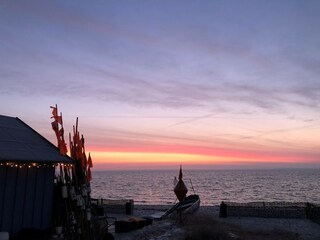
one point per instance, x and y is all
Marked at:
(189, 205)
(186, 204)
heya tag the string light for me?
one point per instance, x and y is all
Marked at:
(33, 165)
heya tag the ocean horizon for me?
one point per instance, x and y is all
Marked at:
(155, 187)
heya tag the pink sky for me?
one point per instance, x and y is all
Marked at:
(155, 85)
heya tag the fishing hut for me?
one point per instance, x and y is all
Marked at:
(27, 173)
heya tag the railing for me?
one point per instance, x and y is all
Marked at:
(272, 210)
(115, 206)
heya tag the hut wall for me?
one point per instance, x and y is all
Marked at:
(26, 198)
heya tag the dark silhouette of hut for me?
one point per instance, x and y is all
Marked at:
(27, 172)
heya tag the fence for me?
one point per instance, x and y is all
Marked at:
(274, 210)
(116, 206)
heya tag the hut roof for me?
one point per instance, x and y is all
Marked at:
(20, 143)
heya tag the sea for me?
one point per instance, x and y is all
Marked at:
(155, 187)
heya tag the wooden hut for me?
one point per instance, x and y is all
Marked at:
(27, 171)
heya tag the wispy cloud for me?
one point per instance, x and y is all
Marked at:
(106, 85)
(224, 69)
(197, 78)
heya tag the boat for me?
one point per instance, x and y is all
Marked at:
(189, 205)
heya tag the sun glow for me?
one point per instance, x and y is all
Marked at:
(147, 157)
(111, 160)
(141, 159)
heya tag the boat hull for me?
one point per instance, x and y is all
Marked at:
(190, 204)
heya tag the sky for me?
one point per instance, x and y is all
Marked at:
(155, 84)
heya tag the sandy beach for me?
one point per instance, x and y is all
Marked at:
(206, 224)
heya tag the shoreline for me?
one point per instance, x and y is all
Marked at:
(258, 228)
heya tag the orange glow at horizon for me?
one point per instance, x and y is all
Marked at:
(144, 159)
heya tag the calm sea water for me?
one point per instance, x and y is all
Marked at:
(156, 186)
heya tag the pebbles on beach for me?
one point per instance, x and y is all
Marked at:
(263, 228)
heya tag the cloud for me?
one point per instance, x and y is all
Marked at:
(130, 141)
(112, 86)
(209, 70)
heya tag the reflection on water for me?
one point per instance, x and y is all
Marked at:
(213, 186)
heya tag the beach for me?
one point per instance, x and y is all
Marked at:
(206, 224)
